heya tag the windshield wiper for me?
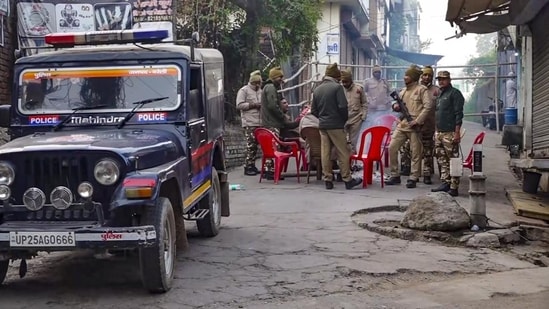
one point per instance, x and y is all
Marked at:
(74, 111)
(138, 105)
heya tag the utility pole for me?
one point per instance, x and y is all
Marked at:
(477, 190)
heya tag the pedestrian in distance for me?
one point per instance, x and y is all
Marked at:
(330, 107)
(419, 104)
(248, 101)
(377, 92)
(449, 118)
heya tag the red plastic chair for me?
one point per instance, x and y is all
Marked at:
(270, 143)
(378, 143)
(389, 121)
(468, 162)
(304, 162)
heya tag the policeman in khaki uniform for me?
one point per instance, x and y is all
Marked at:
(449, 117)
(248, 101)
(357, 105)
(427, 133)
(419, 104)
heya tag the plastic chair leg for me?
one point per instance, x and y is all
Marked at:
(262, 168)
(304, 162)
(318, 169)
(382, 176)
(277, 169)
(297, 162)
(386, 157)
(365, 172)
(370, 178)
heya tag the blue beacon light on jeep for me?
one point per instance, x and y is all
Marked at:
(105, 37)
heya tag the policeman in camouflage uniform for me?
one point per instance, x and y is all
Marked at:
(248, 101)
(357, 105)
(449, 117)
(419, 104)
(427, 136)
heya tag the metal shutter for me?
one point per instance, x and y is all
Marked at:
(540, 84)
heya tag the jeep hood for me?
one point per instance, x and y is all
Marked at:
(126, 142)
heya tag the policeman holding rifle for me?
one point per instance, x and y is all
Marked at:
(414, 106)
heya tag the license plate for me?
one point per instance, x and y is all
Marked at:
(42, 239)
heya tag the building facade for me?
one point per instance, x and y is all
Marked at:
(352, 32)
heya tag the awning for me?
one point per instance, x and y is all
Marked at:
(486, 16)
(416, 58)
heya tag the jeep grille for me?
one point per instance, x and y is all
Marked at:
(49, 169)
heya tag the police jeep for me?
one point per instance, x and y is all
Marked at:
(113, 146)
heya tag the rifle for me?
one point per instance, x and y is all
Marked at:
(403, 109)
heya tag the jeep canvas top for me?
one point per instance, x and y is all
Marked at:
(117, 138)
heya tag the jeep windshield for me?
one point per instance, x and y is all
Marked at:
(58, 91)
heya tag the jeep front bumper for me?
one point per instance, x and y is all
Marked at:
(67, 236)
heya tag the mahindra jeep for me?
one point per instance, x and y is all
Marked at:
(113, 145)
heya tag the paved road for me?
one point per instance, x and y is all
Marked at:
(293, 246)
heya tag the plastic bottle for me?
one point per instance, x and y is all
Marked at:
(236, 187)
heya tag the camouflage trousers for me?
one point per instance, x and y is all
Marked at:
(251, 146)
(445, 149)
(269, 164)
(428, 152)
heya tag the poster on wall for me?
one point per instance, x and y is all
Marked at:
(332, 43)
(37, 18)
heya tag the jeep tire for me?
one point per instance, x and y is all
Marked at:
(209, 225)
(3, 270)
(157, 263)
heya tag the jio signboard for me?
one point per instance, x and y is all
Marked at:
(332, 44)
(38, 18)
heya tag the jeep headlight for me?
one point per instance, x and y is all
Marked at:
(106, 172)
(7, 173)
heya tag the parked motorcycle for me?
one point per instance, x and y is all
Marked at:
(489, 121)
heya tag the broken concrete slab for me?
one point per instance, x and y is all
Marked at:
(506, 236)
(435, 212)
(483, 240)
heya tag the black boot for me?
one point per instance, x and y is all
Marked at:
(444, 187)
(404, 170)
(410, 183)
(250, 170)
(453, 192)
(270, 175)
(353, 183)
(255, 168)
(427, 180)
(393, 181)
(329, 185)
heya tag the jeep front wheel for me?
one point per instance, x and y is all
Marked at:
(157, 263)
(209, 225)
(4, 269)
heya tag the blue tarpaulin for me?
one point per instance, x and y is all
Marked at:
(416, 58)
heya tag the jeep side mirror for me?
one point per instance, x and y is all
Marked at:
(5, 115)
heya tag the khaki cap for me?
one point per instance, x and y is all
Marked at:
(443, 74)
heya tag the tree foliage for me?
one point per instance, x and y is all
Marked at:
(235, 28)
(485, 46)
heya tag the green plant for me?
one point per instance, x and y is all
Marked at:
(236, 28)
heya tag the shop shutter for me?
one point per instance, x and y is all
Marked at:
(540, 84)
